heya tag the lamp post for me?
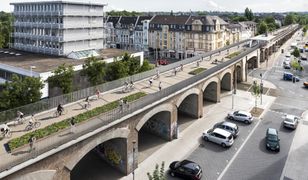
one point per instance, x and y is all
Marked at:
(261, 87)
(134, 149)
(31, 67)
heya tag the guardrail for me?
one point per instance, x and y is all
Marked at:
(50, 103)
(55, 141)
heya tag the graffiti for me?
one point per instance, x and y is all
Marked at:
(157, 126)
(113, 156)
(174, 130)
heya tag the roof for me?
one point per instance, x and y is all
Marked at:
(222, 132)
(229, 124)
(231, 26)
(46, 63)
(128, 20)
(207, 20)
(272, 131)
(249, 23)
(169, 19)
(59, 2)
(244, 112)
(142, 18)
(113, 19)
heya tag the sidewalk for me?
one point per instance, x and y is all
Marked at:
(297, 162)
(188, 140)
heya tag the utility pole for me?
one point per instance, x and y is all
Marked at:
(261, 87)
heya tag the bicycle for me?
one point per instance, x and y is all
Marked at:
(7, 134)
(57, 114)
(34, 125)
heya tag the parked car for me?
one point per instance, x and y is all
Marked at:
(185, 169)
(305, 84)
(272, 140)
(286, 64)
(218, 136)
(290, 121)
(289, 77)
(243, 116)
(162, 62)
(304, 58)
(228, 126)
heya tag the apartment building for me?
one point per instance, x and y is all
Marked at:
(185, 36)
(235, 33)
(58, 27)
(249, 29)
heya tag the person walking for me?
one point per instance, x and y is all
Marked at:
(182, 67)
(87, 104)
(157, 73)
(31, 143)
(121, 102)
(159, 86)
(72, 123)
(174, 70)
(151, 82)
(125, 103)
(97, 93)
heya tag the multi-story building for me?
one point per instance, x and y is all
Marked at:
(234, 33)
(125, 32)
(249, 29)
(58, 27)
(140, 33)
(185, 36)
(111, 38)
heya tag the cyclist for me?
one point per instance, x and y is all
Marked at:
(87, 100)
(5, 129)
(131, 85)
(60, 109)
(32, 120)
(20, 115)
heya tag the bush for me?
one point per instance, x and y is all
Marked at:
(197, 71)
(232, 55)
(53, 128)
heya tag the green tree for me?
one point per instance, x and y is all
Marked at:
(262, 28)
(146, 66)
(256, 92)
(63, 78)
(20, 91)
(158, 174)
(290, 19)
(304, 29)
(132, 63)
(94, 69)
(6, 20)
(296, 52)
(116, 70)
(248, 14)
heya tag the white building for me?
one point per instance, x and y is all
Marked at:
(58, 27)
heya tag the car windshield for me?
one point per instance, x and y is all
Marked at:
(272, 137)
(289, 120)
(177, 164)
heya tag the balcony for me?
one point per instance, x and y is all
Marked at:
(39, 25)
(38, 37)
(42, 50)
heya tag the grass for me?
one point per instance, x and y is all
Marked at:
(197, 71)
(58, 126)
(232, 55)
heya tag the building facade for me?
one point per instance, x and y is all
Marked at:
(185, 36)
(58, 27)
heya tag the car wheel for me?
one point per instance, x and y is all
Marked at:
(172, 174)
(278, 150)
(206, 138)
(246, 122)
(223, 145)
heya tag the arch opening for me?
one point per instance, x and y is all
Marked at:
(188, 111)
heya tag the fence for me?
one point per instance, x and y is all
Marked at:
(55, 141)
(53, 102)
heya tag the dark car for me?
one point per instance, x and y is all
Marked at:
(185, 169)
(228, 126)
(162, 62)
(289, 76)
(304, 58)
(272, 140)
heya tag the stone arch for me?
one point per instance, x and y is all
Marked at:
(187, 93)
(113, 134)
(190, 103)
(207, 82)
(252, 62)
(225, 72)
(238, 73)
(157, 109)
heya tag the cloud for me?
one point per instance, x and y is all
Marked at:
(213, 5)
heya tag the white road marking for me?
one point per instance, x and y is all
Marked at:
(236, 154)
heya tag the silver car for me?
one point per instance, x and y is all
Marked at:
(290, 121)
(218, 136)
(243, 116)
(228, 126)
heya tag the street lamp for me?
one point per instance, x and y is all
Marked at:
(31, 67)
(261, 87)
(134, 149)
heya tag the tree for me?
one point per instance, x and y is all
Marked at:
(158, 174)
(305, 29)
(132, 63)
(290, 19)
(94, 70)
(6, 20)
(227, 43)
(296, 52)
(63, 78)
(116, 70)
(248, 14)
(20, 91)
(256, 92)
(262, 28)
(146, 66)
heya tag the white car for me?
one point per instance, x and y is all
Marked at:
(290, 121)
(218, 136)
(243, 116)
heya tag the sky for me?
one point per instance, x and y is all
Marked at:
(191, 5)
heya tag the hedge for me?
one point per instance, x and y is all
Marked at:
(53, 128)
(232, 55)
(197, 71)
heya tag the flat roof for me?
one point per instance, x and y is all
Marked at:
(59, 2)
(263, 37)
(46, 63)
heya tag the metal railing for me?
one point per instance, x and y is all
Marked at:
(53, 102)
(55, 141)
